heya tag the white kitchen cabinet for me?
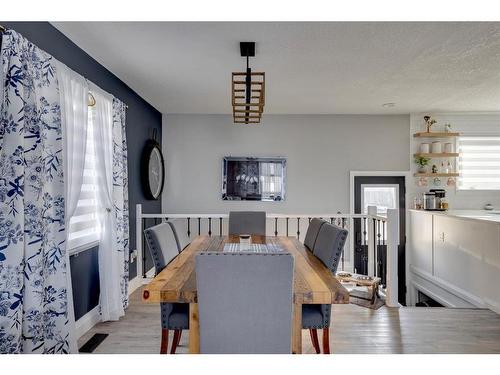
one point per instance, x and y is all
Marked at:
(421, 241)
(463, 258)
(458, 248)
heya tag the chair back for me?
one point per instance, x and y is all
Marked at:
(162, 245)
(245, 302)
(247, 222)
(179, 228)
(312, 232)
(329, 245)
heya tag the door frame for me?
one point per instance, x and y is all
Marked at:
(406, 175)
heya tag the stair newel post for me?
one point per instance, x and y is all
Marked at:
(392, 257)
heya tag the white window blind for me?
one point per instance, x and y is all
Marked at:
(84, 225)
(479, 162)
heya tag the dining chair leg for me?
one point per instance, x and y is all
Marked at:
(175, 341)
(164, 341)
(326, 340)
(314, 339)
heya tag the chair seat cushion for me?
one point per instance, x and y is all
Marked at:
(177, 315)
(312, 317)
(179, 319)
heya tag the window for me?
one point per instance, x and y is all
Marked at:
(84, 226)
(271, 180)
(479, 162)
(382, 196)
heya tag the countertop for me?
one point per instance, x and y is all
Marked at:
(483, 215)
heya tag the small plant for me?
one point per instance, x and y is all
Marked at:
(429, 121)
(422, 162)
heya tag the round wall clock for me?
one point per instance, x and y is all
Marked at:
(152, 170)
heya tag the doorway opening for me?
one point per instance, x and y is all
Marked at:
(385, 192)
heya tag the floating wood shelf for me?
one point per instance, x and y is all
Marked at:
(440, 155)
(435, 174)
(435, 135)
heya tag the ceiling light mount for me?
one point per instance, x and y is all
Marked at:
(247, 49)
(247, 90)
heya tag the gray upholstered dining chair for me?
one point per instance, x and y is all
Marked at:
(180, 233)
(312, 232)
(328, 248)
(245, 302)
(247, 222)
(163, 248)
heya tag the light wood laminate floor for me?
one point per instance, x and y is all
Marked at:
(354, 329)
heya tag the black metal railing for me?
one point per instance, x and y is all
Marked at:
(380, 249)
(217, 225)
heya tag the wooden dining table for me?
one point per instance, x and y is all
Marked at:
(313, 282)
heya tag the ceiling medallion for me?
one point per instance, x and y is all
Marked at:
(248, 90)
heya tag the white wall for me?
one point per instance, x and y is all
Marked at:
(465, 123)
(320, 151)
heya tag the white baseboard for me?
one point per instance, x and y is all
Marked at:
(134, 284)
(137, 281)
(492, 305)
(87, 321)
(151, 273)
(93, 317)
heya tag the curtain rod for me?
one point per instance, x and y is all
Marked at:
(93, 101)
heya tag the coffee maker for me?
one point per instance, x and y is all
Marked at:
(435, 200)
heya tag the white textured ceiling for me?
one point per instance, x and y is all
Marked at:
(319, 68)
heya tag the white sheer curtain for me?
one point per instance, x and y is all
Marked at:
(73, 90)
(73, 93)
(110, 265)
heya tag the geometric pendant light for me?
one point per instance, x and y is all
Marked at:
(248, 90)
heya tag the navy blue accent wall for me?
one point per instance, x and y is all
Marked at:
(142, 118)
(85, 284)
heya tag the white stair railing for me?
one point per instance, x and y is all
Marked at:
(391, 299)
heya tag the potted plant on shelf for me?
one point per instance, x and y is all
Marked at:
(422, 162)
(429, 121)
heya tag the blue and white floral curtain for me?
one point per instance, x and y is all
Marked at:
(120, 193)
(34, 264)
(36, 313)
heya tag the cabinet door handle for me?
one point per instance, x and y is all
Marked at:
(442, 236)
